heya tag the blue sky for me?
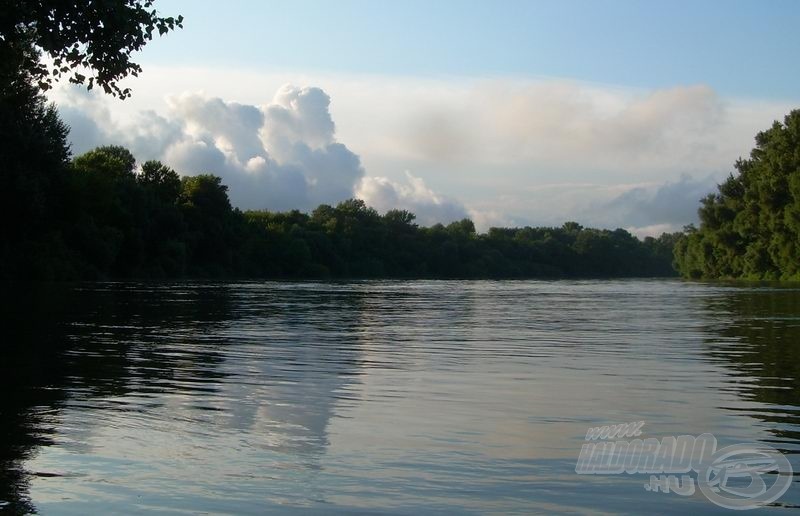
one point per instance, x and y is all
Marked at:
(744, 48)
(612, 114)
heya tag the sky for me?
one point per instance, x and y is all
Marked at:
(608, 113)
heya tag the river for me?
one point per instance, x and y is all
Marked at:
(398, 397)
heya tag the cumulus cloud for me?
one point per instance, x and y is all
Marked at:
(413, 195)
(281, 156)
(232, 127)
(654, 230)
(89, 120)
(298, 116)
(514, 151)
(666, 207)
(470, 123)
(671, 203)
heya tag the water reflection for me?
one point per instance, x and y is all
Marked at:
(756, 330)
(300, 348)
(115, 362)
(92, 346)
(376, 395)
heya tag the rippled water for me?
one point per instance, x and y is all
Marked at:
(399, 397)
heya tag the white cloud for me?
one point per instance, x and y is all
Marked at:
(232, 127)
(413, 195)
(280, 156)
(672, 203)
(655, 230)
(298, 116)
(513, 151)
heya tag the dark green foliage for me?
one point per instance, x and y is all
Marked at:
(161, 180)
(210, 226)
(33, 160)
(61, 220)
(111, 162)
(99, 216)
(751, 227)
(120, 222)
(78, 35)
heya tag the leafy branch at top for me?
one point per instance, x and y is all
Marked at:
(82, 37)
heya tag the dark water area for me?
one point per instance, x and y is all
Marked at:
(397, 397)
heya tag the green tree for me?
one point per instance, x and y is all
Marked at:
(211, 238)
(42, 202)
(111, 161)
(79, 35)
(205, 194)
(33, 158)
(400, 218)
(164, 182)
(750, 228)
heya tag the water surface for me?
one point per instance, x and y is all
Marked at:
(391, 397)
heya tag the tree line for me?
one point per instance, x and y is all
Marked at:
(100, 215)
(750, 228)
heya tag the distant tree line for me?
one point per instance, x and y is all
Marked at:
(750, 228)
(100, 216)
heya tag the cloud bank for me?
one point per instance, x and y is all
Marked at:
(280, 156)
(505, 151)
(559, 123)
(672, 204)
(412, 195)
